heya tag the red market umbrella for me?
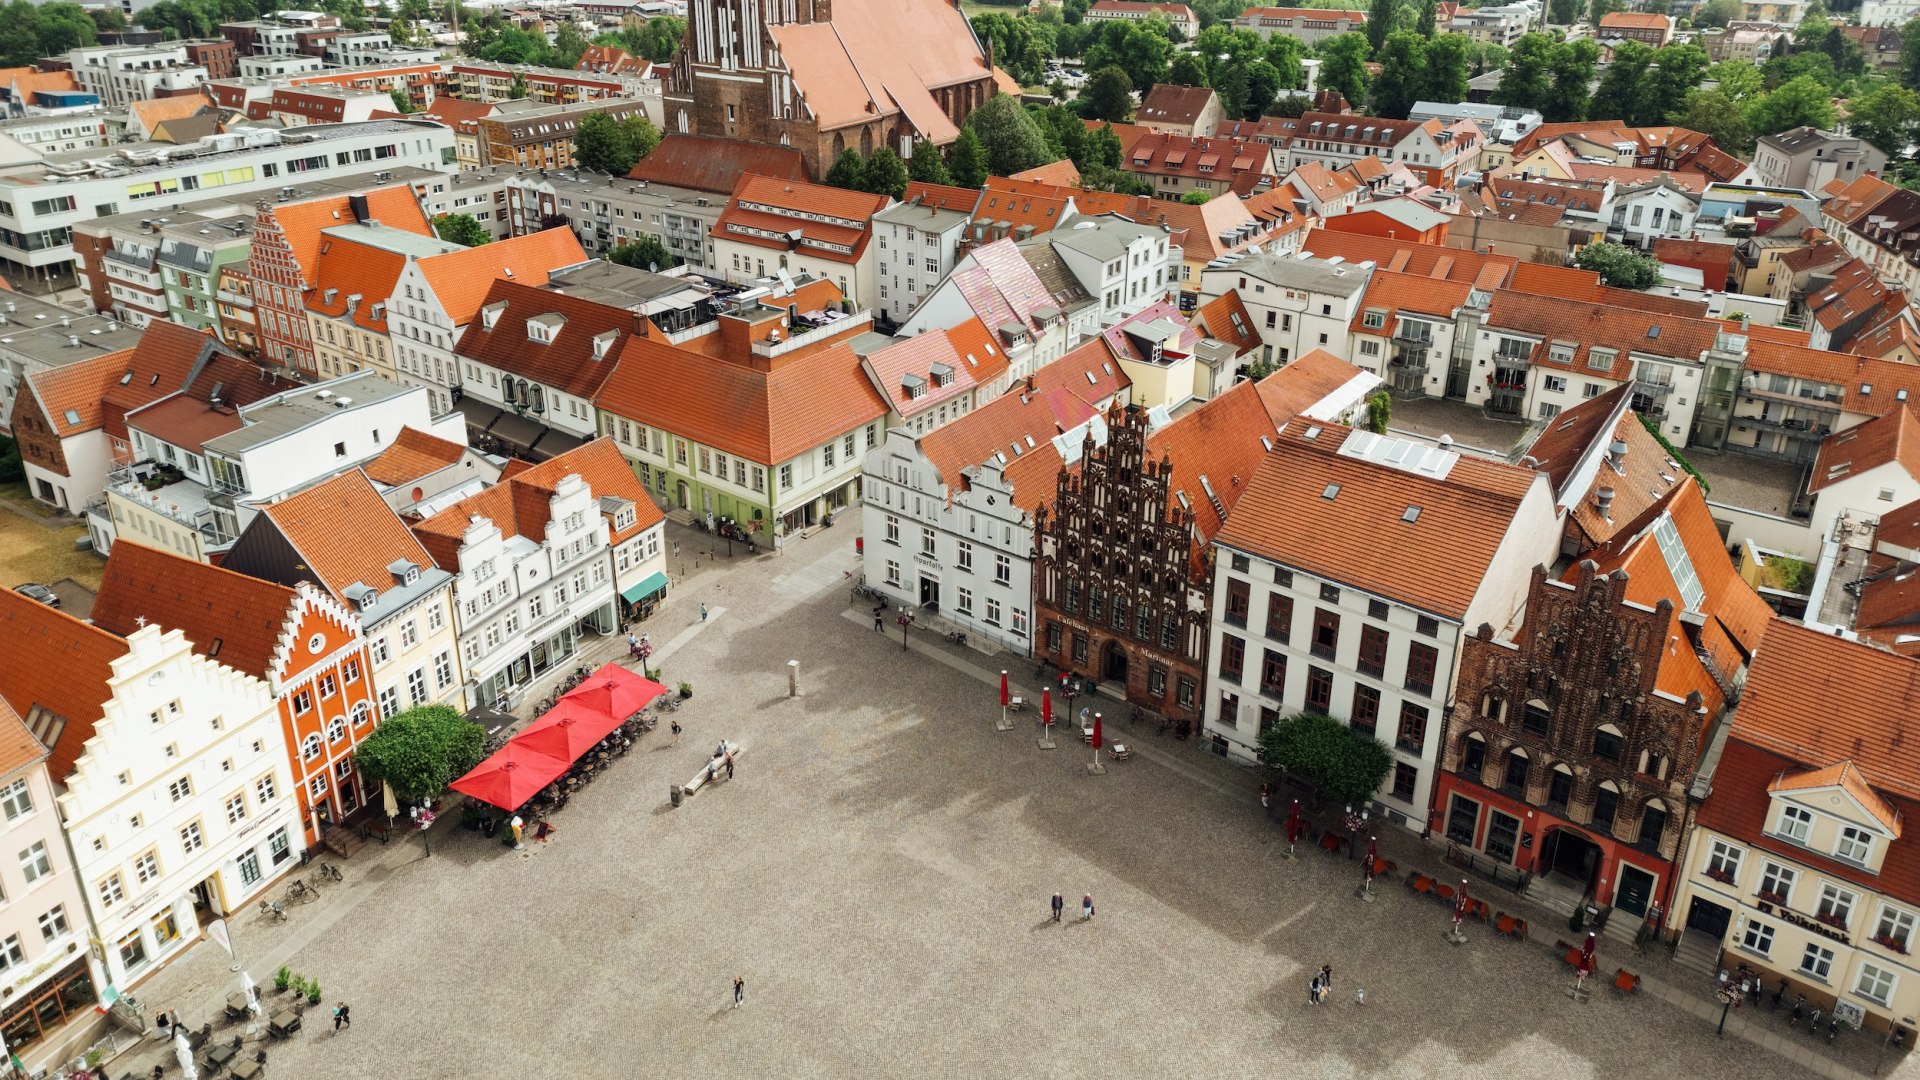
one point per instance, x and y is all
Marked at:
(1461, 904)
(1003, 690)
(615, 691)
(1293, 823)
(1096, 733)
(1046, 706)
(1586, 955)
(511, 776)
(567, 731)
(1373, 849)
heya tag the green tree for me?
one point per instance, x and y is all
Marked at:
(1108, 95)
(1380, 16)
(1403, 73)
(641, 135)
(644, 252)
(1717, 13)
(1343, 66)
(1527, 79)
(1103, 149)
(517, 89)
(420, 751)
(1264, 83)
(1235, 93)
(1141, 49)
(886, 173)
(1624, 89)
(613, 146)
(569, 44)
(1448, 65)
(1620, 266)
(402, 104)
(926, 166)
(1600, 9)
(849, 171)
(1344, 765)
(1887, 116)
(517, 46)
(1285, 54)
(1567, 12)
(1188, 69)
(967, 160)
(1426, 25)
(1680, 69)
(462, 229)
(1197, 198)
(1717, 116)
(1379, 411)
(1910, 54)
(1009, 135)
(1572, 71)
(1799, 102)
(1736, 79)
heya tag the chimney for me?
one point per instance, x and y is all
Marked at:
(1446, 442)
(358, 203)
(1617, 455)
(1603, 500)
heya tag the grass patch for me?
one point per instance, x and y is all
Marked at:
(33, 552)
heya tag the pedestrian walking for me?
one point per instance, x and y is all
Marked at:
(1059, 905)
(676, 733)
(1266, 796)
(879, 622)
(633, 645)
(342, 1017)
(1326, 978)
(729, 766)
(1313, 990)
(1086, 907)
(739, 991)
(703, 611)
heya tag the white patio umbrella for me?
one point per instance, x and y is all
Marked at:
(184, 1053)
(252, 992)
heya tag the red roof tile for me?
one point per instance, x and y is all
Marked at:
(607, 475)
(766, 205)
(412, 455)
(1893, 438)
(59, 664)
(1016, 427)
(18, 747)
(715, 164)
(460, 279)
(238, 620)
(1359, 536)
(395, 207)
(1483, 271)
(339, 557)
(1225, 318)
(567, 362)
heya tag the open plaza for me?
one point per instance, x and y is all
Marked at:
(879, 872)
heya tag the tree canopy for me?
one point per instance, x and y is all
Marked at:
(613, 146)
(644, 252)
(462, 229)
(1343, 764)
(657, 39)
(1007, 132)
(31, 31)
(1620, 266)
(420, 751)
(1343, 65)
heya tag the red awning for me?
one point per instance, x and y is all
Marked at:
(511, 776)
(615, 691)
(567, 731)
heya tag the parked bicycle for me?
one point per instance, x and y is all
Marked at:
(272, 910)
(300, 892)
(955, 637)
(327, 872)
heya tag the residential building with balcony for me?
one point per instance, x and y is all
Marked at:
(122, 74)
(1574, 737)
(1405, 331)
(360, 263)
(232, 460)
(1297, 303)
(916, 245)
(771, 226)
(1305, 616)
(171, 780)
(1435, 152)
(1797, 866)
(1307, 25)
(603, 214)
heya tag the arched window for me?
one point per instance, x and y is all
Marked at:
(1560, 788)
(1536, 716)
(1492, 706)
(336, 729)
(361, 714)
(310, 747)
(1606, 804)
(1607, 742)
(1653, 823)
(1515, 783)
(1473, 755)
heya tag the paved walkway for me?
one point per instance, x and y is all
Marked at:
(878, 872)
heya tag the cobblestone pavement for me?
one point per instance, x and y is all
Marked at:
(879, 873)
(1469, 425)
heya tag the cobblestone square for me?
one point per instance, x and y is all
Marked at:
(879, 872)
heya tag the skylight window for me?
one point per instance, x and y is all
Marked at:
(1411, 515)
(1331, 491)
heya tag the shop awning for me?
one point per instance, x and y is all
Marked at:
(647, 586)
(551, 444)
(514, 774)
(518, 430)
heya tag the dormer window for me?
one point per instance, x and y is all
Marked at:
(1796, 823)
(1856, 845)
(1374, 320)
(490, 315)
(369, 598)
(413, 576)
(603, 344)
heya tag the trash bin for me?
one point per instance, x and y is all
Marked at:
(859, 545)
(676, 793)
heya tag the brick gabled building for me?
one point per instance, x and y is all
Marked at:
(1572, 740)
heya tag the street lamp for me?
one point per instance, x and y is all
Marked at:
(1729, 996)
(906, 620)
(1355, 823)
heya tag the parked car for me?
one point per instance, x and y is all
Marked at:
(38, 592)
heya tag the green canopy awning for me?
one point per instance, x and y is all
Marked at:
(652, 583)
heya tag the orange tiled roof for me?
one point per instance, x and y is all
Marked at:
(1889, 611)
(301, 222)
(412, 455)
(768, 205)
(1063, 173)
(1214, 451)
(1844, 776)
(715, 164)
(942, 196)
(1852, 201)
(156, 111)
(1900, 527)
(456, 112)
(1406, 257)
(1171, 103)
(59, 664)
(1225, 318)
(238, 620)
(1303, 383)
(192, 417)
(1634, 20)
(70, 397)
(1024, 203)
(1587, 326)
(1358, 536)
(607, 475)
(18, 747)
(567, 362)
(360, 277)
(460, 279)
(967, 350)
(345, 534)
(1796, 678)
(1016, 427)
(1394, 293)
(878, 58)
(1892, 438)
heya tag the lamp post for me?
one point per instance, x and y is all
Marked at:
(1729, 996)
(906, 620)
(1355, 823)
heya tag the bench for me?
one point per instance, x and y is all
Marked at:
(1626, 982)
(713, 768)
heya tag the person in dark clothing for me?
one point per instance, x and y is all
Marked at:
(342, 1017)
(1059, 905)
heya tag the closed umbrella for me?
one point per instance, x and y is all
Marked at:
(1046, 706)
(184, 1054)
(252, 993)
(1586, 955)
(1293, 824)
(1096, 738)
(1004, 699)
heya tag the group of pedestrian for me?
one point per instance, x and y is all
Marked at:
(1086, 907)
(1322, 986)
(722, 759)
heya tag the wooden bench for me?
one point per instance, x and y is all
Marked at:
(1626, 981)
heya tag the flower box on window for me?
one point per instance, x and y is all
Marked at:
(1725, 877)
(1831, 919)
(1890, 942)
(1771, 898)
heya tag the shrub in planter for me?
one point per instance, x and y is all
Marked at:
(686, 689)
(283, 978)
(313, 992)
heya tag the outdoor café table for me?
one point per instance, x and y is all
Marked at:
(1120, 752)
(218, 1057)
(1444, 892)
(247, 1069)
(284, 1022)
(1332, 841)
(236, 1005)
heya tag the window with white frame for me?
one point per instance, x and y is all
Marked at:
(336, 729)
(1836, 904)
(146, 868)
(191, 839)
(16, 799)
(893, 529)
(310, 746)
(112, 891)
(389, 702)
(1758, 938)
(963, 601)
(964, 555)
(1895, 928)
(1777, 881)
(1817, 961)
(993, 612)
(11, 954)
(1723, 862)
(181, 788)
(1019, 623)
(264, 788)
(35, 863)
(1002, 570)
(926, 541)
(237, 808)
(1796, 823)
(1856, 844)
(53, 922)
(250, 869)
(893, 572)
(1876, 983)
